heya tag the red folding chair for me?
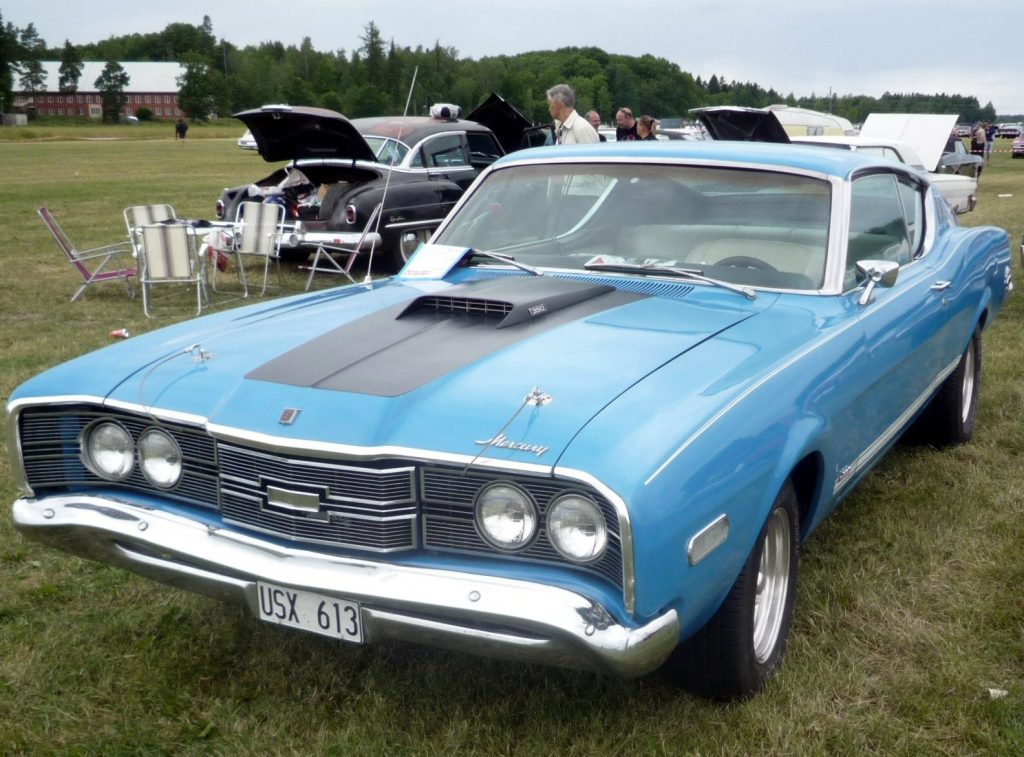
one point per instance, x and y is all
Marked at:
(91, 264)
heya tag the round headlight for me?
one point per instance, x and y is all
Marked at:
(506, 516)
(108, 451)
(576, 528)
(160, 458)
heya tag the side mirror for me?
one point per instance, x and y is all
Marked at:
(878, 273)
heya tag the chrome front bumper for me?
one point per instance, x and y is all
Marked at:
(482, 614)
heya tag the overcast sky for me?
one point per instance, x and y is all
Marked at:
(794, 46)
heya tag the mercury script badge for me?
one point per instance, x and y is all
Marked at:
(503, 441)
(536, 398)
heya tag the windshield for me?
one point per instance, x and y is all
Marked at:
(747, 227)
(388, 151)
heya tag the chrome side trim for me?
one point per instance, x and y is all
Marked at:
(484, 614)
(851, 471)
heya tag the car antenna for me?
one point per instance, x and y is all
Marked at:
(387, 180)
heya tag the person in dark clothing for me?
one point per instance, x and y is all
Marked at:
(180, 129)
(625, 126)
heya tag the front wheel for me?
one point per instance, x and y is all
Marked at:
(741, 646)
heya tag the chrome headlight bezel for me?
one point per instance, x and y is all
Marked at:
(150, 459)
(117, 441)
(567, 514)
(488, 508)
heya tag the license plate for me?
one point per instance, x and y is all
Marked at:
(309, 611)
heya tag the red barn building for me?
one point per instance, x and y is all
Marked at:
(150, 85)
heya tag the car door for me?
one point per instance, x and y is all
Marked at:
(907, 335)
(446, 156)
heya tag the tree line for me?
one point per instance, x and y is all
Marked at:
(220, 78)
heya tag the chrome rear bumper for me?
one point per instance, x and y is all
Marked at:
(482, 614)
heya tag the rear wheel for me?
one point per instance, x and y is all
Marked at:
(741, 646)
(950, 416)
(402, 248)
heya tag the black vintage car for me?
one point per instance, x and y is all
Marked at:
(339, 169)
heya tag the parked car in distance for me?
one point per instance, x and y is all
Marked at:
(926, 139)
(246, 141)
(964, 130)
(959, 191)
(589, 424)
(338, 169)
(925, 131)
(1017, 148)
(1008, 131)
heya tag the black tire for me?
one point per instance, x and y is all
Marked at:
(950, 416)
(741, 646)
(329, 203)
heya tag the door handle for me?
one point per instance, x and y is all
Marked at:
(938, 286)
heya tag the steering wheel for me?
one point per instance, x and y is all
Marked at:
(745, 261)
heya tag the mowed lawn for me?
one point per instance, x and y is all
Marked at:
(909, 629)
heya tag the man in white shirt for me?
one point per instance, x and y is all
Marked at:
(570, 127)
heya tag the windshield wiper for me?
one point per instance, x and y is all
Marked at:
(473, 253)
(667, 270)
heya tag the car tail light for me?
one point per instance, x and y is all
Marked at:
(218, 209)
(350, 215)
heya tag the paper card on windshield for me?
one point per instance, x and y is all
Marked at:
(432, 261)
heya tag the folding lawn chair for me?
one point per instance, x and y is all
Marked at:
(137, 216)
(81, 260)
(327, 253)
(168, 255)
(259, 227)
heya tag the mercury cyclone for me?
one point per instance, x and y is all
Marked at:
(589, 424)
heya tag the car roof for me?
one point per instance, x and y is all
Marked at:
(765, 155)
(413, 128)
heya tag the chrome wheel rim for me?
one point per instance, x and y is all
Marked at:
(967, 387)
(772, 585)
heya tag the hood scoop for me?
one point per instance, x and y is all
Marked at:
(505, 302)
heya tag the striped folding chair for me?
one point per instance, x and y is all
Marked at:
(168, 255)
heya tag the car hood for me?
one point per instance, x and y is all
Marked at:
(425, 366)
(283, 132)
(732, 123)
(511, 127)
(926, 133)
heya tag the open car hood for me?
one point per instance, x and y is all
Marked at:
(926, 133)
(284, 132)
(509, 124)
(735, 124)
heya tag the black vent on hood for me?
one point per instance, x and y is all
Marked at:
(512, 300)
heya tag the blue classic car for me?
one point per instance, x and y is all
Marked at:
(588, 424)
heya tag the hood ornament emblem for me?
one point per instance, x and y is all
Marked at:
(536, 398)
(288, 416)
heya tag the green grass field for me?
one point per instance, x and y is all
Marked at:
(910, 607)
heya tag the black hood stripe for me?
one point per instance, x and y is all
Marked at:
(403, 347)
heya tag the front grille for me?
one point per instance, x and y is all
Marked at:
(377, 506)
(449, 521)
(350, 506)
(51, 450)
